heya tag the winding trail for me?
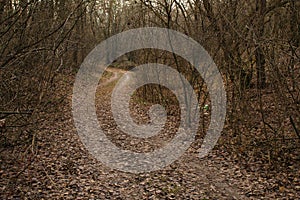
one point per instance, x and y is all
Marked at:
(116, 75)
(210, 173)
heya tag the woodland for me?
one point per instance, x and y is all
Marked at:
(255, 45)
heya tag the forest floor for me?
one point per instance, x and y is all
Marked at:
(59, 166)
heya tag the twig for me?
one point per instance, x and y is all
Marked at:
(15, 112)
(27, 165)
(51, 180)
(294, 126)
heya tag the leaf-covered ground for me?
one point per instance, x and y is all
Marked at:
(57, 165)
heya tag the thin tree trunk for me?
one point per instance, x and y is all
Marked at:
(259, 55)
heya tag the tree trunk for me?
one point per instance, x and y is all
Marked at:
(260, 68)
(259, 55)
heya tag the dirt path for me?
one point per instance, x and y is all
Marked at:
(207, 175)
(116, 74)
